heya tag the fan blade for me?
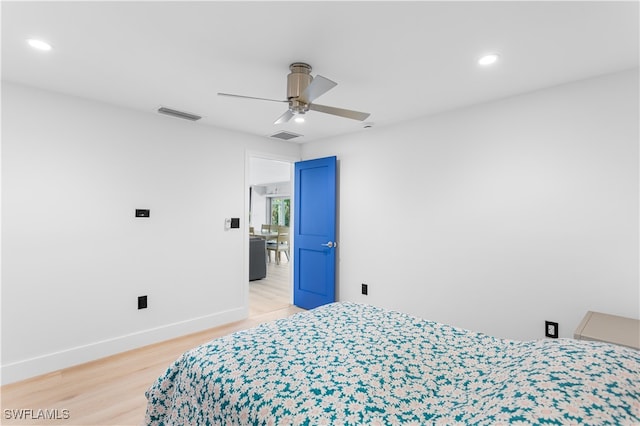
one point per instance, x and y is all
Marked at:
(318, 86)
(249, 97)
(346, 113)
(288, 115)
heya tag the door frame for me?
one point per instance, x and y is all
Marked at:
(245, 227)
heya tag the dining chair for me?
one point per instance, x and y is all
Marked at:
(280, 245)
(283, 229)
(269, 232)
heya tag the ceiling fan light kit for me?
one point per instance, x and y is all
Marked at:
(302, 90)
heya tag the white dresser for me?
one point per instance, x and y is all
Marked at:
(609, 328)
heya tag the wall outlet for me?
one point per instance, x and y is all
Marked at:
(142, 302)
(365, 289)
(551, 329)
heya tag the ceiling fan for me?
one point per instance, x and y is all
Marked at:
(302, 90)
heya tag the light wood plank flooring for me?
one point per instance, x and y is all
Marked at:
(273, 292)
(110, 391)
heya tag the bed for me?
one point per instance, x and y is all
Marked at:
(355, 364)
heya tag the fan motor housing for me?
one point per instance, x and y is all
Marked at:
(298, 80)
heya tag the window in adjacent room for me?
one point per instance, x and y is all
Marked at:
(280, 208)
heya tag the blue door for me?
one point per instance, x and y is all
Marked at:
(314, 267)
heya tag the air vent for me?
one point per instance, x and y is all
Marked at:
(179, 114)
(285, 136)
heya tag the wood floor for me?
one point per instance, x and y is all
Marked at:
(273, 292)
(110, 391)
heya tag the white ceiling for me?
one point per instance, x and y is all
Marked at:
(396, 60)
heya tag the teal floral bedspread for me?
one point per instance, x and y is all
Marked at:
(353, 364)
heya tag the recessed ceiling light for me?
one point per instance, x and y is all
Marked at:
(39, 44)
(299, 119)
(488, 59)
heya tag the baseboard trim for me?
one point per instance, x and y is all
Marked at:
(48, 363)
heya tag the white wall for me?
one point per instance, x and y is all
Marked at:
(74, 258)
(258, 207)
(499, 216)
(493, 218)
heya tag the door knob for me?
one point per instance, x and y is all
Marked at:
(330, 244)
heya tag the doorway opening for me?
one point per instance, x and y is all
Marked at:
(270, 218)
